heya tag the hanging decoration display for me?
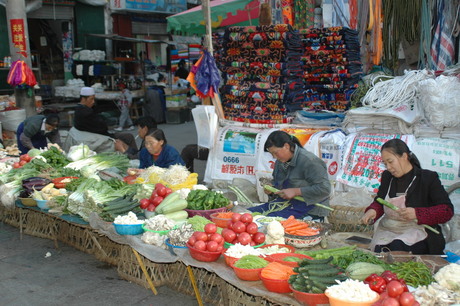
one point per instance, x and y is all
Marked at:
(330, 70)
(204, 76)
(21, 75)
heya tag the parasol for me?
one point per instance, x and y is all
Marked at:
(223, 13)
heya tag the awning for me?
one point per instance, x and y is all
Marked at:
(224, 13)
(130, 39)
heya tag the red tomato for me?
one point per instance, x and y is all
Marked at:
(16, 165)
(236, 217)
(200, 245)
(211, 246)
(22, 162)
(406, 299)
(144, 203)
(220, 248)
(192, 240)
(154, 194)
(168, 190)
(210, 228)
(252, 228)
(252, 243)
(246, 218)
(201, 236)
(395, 288)
(228, 235)
(259, 238)
(217, 238)
(238, 227)
(235, 241)
(161, 191)
(157, 200)
(390, 301)
(244, 238)
(151, 207)
(159, 185)
(26, 157)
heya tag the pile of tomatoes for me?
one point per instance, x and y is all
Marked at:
(393, 291)
(243, 230)
(158, 194)
(209, 240)
(23, 159)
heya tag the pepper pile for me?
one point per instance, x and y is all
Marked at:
(206, 199)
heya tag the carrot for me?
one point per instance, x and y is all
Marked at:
(305, 232)
(275, 270)
(298, 226)
(224, 215)
(288, 220)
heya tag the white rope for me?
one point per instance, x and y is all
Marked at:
(400, 90)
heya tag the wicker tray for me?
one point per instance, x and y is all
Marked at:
(348, 219)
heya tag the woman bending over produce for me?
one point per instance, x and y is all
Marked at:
(297, 172)
(157, 152)
(420, 200)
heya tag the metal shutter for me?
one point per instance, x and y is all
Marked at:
(52, 12)
(148, 28)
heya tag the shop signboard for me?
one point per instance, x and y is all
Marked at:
(158, 6)
(18, 35)
(440, 155)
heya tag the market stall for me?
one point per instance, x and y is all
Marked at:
(83, 205)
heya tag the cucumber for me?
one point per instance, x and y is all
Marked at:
(310, 262)
(328, 272)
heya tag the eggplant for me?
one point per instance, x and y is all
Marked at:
(34, 183)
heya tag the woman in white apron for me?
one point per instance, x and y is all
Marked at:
(421, 199)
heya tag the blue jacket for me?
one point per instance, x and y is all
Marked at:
(168, 156)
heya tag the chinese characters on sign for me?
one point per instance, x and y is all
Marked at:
(18, 35)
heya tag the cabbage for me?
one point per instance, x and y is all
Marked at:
(79, 152)
(34, 152)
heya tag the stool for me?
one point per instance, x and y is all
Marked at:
(135, 110)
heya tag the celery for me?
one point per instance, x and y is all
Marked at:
(274, 190)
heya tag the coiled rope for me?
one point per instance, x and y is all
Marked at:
(400, 90)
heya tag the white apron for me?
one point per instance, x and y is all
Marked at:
(393, 227)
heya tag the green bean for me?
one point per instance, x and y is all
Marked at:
(414, 273)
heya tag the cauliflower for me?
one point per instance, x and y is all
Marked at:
(275, 233)
(449, 277)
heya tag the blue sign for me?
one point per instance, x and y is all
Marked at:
(160, 6)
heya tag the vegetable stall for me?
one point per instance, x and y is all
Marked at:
(162, 226)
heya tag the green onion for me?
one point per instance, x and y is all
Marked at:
(389, 205)
(299, 198)
(241, 197)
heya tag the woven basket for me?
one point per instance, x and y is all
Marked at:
(348, 219)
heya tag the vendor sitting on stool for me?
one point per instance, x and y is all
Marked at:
(35, 132)
(297, 173)
(90, 128)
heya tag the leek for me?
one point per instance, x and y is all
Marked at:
(299, 198)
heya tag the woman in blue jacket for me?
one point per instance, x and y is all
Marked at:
(157, 152)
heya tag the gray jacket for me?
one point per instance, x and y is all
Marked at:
(309, 172)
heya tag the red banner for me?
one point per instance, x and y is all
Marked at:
(18, 35)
